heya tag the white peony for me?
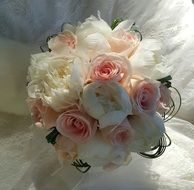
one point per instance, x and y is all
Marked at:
(57, 81)
(147, 132)
(92, 36)
(148, 61)
(99, 153)
(106, 101)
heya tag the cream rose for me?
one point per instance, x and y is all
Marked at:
(147, 132)
(76, 125)
(106, 101)
(57, 81)
(110, 66)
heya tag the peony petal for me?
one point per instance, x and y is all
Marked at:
(148, 131)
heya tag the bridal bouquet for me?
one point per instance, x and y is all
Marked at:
(101, 92)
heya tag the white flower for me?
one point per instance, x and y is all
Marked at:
(148, 130)
(148, 61)
(57, 81)
(92, 36)
(106, 101)
(99, 153)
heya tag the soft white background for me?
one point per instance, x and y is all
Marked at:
(26, 161)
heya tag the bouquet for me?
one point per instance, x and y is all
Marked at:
(101, 92)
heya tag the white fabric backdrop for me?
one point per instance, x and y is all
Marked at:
(26, 161)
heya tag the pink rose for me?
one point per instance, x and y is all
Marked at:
(119, 135)
(165, 99)
(110, 67)
(62, 42)
(42, 115)
(76, 125)
(124, 41)
(145, 95)
(66, 148)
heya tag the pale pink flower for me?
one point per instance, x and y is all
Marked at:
(110, 66)
(145, 95)
(165, 99)
(42, 115)
(62, 41)
(124, 42)
(76, 125)
(119, 135)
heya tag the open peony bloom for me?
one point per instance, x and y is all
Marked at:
(145, 95)
(92, 36)
(76, 125)
(148, 130)
(110, 66)
(106, 101)
(56, 80)
(119, 135)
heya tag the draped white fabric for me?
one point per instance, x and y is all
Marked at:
(27, 162)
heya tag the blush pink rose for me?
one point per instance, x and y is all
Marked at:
(124, 41)
(62, 41)
(76, 125)
(119, 135)
(145, 95)
(165, 99)
(42, 115)
(110, 67)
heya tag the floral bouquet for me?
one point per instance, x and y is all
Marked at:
(97, 93)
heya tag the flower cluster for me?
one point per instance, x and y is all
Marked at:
(91, 88)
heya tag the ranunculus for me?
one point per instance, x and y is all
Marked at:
(60, 43)
(42, 115)
(106, 101)
(119, 135)
(110, 66)
(57, 81)
(145, 95)
(66, 148)
(76, 125)
(165, 99)
(147, 132)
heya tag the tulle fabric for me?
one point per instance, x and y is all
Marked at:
(27, 161)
